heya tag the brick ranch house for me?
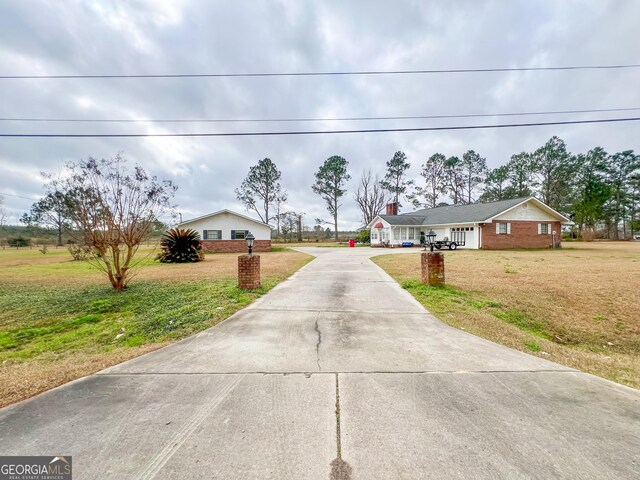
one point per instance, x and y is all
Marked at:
(517, 223)
(225, 231)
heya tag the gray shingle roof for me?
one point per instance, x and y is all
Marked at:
(408, 219)
(476, 212)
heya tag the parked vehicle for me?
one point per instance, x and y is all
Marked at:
(457, 240)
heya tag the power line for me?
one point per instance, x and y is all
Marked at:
(336, 119)
(326, 73)
(310, 132)
(17, 196)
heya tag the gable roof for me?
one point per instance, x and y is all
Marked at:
(218, 213)
(407, 219)
(473, 213)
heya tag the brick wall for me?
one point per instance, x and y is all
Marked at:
(234, 246)
(432, 268)
(249, 271)
(524, 234)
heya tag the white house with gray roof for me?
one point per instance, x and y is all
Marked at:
(516, 223)
(225, 231)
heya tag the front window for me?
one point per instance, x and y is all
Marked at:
(502, 228)
(241, 234)
(544, 229)
(212, 235)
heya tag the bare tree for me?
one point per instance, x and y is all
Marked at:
(113, 210)
(370, 196)
(280, 200)
(289, 224)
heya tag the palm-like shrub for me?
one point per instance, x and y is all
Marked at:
(180, 245)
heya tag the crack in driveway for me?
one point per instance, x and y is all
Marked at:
(317, 329)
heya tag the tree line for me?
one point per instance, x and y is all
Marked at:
(111, 209)
(596, 189)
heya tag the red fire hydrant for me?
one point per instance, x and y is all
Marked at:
(352, 242)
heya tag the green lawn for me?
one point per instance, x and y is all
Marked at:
(39, 321)
(59, 319)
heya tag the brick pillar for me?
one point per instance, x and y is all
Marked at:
(249, 271)
(433, 268)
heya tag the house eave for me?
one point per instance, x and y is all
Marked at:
(209, 215)
(539, 204)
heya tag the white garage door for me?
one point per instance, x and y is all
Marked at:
(469, 235)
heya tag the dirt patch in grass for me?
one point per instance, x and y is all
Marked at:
(23, 380)
(52, 332)
(577, 306)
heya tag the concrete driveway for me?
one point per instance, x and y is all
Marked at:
(336, 373)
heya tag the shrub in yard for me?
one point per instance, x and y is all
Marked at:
(180, 246)
(364, 236)
(80, 253)
(19, 241)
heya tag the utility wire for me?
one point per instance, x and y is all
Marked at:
(17, 196)
(336, 119)
(309, 132)
(327, 73)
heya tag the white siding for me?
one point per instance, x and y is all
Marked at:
(526, 211)
(379, 235)
(226, 222)
(471, 236)
(440, 232)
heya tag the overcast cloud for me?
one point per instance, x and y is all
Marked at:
(170, 36)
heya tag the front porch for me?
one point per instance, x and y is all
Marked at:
(394, 236)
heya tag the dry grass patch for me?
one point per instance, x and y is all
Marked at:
(23, 380)
(31, 267)
(60, 319)
(578, 306)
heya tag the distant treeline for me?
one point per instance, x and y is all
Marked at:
(34, 236)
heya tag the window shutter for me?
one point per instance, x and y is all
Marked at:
(233, 234)
(219, 234)
(549, 229)
(204, 235)
(508, 229)
(497, 228)
(539, 228)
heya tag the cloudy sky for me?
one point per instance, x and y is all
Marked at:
(171, 36)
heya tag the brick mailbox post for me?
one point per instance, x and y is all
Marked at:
(249, 271)
(432, 268)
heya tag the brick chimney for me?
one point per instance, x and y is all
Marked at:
(392, 208)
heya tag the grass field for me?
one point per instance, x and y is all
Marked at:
(60, 319)
(578, 306)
